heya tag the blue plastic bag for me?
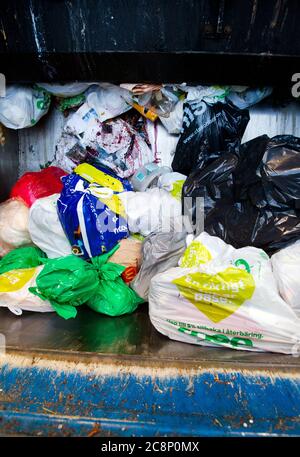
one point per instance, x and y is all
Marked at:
(86, 212)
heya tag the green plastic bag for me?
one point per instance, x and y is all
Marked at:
(27, 257)
(66, 282)
(112, 297)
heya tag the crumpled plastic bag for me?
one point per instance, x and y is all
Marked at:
(107, 100)
(38, 184)
(26, 257)
(286, 269)
(152, 211)
(160, 100)
(23, 106)
(66, 282)
(66, 90)
(161, 251)
(45, 228)
(230, 300)
(112, 296)
(173, 183)
(14, 218)
(209, 130)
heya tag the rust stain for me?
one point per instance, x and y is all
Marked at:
(220, 381)
(281, 423)
(95, 431)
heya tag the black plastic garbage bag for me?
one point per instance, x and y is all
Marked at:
(253, 198)
(242, 224)
(209, 130)
(213, 183)
(280, 172)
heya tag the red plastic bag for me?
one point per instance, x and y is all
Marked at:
(38, 184)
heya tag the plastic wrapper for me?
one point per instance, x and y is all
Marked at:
(224, 297)
(38, 184)
(92, 216)
(45, 228)
(158, 100)
(14, 218)
(209, 130)
(23, 106)
(161, 251)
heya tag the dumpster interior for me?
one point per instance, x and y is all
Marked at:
(129, 338)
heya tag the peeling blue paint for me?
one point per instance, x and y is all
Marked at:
(44, 401)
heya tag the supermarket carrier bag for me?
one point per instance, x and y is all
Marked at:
(222, 296)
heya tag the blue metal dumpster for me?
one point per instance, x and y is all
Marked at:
(100, 376)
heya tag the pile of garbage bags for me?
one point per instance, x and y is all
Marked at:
(112, 221)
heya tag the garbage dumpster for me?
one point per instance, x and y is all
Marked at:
(97, 375)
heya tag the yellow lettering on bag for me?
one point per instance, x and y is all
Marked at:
(217, 296)
(14, 280)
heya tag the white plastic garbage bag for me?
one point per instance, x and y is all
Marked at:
(14, 218)
(286, 269)
(45, 228)
(173, 183)
(107, 100)
(66, 90)
(15, 295)
(23, 106)
(152, 211)
(231, 300)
